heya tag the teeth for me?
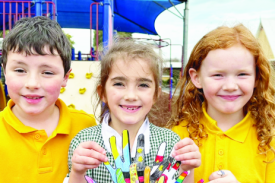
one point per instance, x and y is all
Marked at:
(130, 108)
(33, 97)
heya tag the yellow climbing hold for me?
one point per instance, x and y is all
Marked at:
(62, 90)
(89, 75)
(72, 106)
(140, 159)
(139, 150)
(71, 76)
(82, 90)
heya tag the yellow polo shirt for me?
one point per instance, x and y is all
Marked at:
(235, 149)
(29, 155)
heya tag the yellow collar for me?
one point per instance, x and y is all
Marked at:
(63, 127)
(238, 132)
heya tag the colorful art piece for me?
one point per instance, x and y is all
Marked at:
(126, 171)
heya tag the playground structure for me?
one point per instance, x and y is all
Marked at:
(102, 15)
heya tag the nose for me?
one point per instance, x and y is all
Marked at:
(32, 82)
(131, 94)
(230, 84)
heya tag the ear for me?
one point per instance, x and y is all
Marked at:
(195, 78)
(66, 77)
(99, 92)
(4, 71)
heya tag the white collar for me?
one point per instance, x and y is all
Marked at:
(108, 132)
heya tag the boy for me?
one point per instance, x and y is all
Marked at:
(36, 127)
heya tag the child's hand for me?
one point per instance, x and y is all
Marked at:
(222, 176)
(188, 153)
(88, 155)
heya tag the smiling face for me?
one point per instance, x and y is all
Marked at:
(129, 92)
(227, 77)
(34, 81)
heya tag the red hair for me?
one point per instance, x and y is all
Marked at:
(188, 105)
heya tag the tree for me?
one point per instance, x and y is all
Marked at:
(70, 39)
(1, 33)
(100, 37)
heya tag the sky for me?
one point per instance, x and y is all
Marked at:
(204, 16)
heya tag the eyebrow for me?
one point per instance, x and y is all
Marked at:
(19, 62)
(139, 79)
(22, 63)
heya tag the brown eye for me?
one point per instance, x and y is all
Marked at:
(144, 85)
(118, 84)
(19, 70)
(48, 73)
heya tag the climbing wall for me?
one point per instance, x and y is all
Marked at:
(80, 90)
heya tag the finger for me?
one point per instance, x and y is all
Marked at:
(91, 154)
(113, 147)
(84, 160)
(160, 169)
(182, 177)
(120, 177)
(161, 179)
(192, 162)
(159, 157)
(218, 174)
(92, 145)
(175, 168)
(219, 180)
(140, 154)
(80, 167)
(183, 142)
(186, 149)
(147, 174)
(133, 173)
(111, 171)
(169, 172)
(118, 161)
(126, 149)
(188, 156)
(89, 179)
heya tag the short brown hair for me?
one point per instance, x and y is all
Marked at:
(32, 35)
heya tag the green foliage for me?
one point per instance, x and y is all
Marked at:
(176, 76)
(1, 33)
(70, 39)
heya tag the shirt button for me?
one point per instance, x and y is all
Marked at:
(44, 151)
(37, 136)
(222, 136)
(220, 152)
(220, 166)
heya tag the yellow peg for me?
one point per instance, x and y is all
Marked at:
(147, 172)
